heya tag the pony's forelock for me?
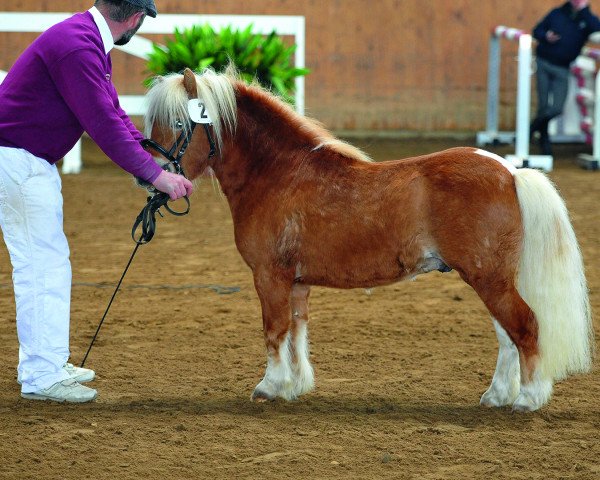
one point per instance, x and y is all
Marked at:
(166, 103)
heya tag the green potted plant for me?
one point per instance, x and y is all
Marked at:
(264, 58)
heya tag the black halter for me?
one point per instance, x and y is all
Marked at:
(146, 218)
(185, 137)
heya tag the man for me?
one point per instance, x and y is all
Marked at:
(60, 86)
(561, 35)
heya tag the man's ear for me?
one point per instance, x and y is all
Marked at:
(189, 82)
(133, 21)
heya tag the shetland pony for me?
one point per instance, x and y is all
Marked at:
(309, 209)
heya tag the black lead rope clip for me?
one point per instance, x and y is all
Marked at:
(147, 217)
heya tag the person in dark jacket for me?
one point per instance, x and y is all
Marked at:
(561, 35)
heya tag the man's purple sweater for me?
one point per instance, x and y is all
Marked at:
(59, 87)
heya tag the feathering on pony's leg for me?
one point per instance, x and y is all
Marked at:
(505, 384)
(275, 296)
(303, 372)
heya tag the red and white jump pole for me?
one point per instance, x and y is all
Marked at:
(586, 100)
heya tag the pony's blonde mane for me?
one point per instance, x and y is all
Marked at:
(167, 102)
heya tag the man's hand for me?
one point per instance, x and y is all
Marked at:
(176, 186)
(552, 37)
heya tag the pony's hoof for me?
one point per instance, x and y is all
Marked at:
(523, 408)
(258, 396)
(524, 405)
(490, 401)
(494, 399)
(533, 396)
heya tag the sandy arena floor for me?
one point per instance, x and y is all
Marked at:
(399, 372)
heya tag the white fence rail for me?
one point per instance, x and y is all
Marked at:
(166, 24)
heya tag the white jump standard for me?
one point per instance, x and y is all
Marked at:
(521, 157)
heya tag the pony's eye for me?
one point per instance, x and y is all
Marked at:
(179, 124)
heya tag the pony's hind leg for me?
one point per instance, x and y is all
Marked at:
(519, 322)
(275, 294)
(304, 380)
(505, 384)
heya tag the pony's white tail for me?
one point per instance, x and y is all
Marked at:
(551, 278)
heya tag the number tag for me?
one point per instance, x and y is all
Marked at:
(197, 111)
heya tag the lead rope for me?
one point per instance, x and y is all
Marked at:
(147, 218)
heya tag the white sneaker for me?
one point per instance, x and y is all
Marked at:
(66, 391)
(81, 375)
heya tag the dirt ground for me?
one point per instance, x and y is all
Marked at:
(399, 372)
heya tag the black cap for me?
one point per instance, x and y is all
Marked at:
(147, 5)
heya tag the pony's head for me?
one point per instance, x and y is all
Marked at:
(178, 103)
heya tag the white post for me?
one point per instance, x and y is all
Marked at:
(299, 63)
(492, 135)
(522, 158)
(523, 98)
(493, 86)
(72, 160)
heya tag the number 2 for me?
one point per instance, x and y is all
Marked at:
(202, 110)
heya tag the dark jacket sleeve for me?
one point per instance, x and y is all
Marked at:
(591, 20)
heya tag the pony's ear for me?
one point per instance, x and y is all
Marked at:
(189, 82)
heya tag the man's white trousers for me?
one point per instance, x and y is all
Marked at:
(31, 218)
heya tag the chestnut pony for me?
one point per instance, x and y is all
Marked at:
(309, 209)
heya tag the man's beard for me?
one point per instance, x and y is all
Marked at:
(123, 39)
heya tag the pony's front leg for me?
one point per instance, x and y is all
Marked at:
(274, 293)
(304, 379)
(505, 384)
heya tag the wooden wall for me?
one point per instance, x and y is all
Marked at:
(382, 65)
